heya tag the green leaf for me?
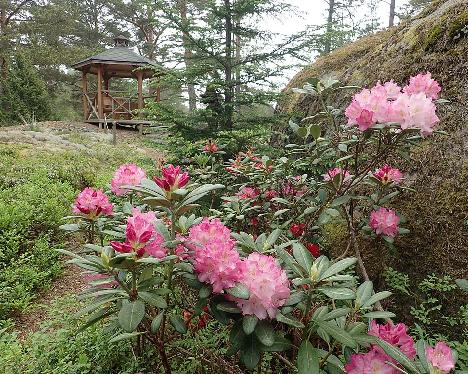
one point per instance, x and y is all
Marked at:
(338, 293)
(204, 292)
(131, 314)
(364, 292)
(249, 323)
(199, 192)
(338, 333)
(396, 354)
(280, 344)
(315, 131)
(337, 313)
(70, 227)
(302, 256)
(178, 323)
(377, 297)
(307, 359)
(227, 306)
(340, 201)
(379, 314)
(421, 351)
(265, 333)
(156, 323)
(289, 321)
(239, 290)
(250, 354)
(125, 335)
(153, 299)
(338, 267)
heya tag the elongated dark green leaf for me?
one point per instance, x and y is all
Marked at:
(340, 201)
(281, 344)
(249, 323)
(302, 256)
(130, 315)
(199, 192)
(289, 321)
(377, 297)
(307, 359)
(250, 353)
(178, 323)
(156, 322)
(124, 336)
(421, 351)
(338, 293)
(379, 314)
(153, 299)
(462, 283)
(364, 292)
(265, 333)
(227, 306)
(396, 354)
(337, 313)
(338, 333)
(70, 227)
(338, 267)
(239, 290)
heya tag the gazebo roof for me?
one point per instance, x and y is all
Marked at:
(119, 61)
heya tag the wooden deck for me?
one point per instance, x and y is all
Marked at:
(122, 122)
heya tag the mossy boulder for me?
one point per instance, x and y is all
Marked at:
(437, 213)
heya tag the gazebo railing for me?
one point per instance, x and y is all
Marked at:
(116, 104)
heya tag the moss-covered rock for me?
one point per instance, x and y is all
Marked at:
(437, 213)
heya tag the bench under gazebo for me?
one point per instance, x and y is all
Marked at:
(111, 106)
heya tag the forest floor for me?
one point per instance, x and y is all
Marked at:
(62, 136)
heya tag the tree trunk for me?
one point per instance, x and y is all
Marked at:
(391, 19)
(3, 46)
(187, 54)
(228, 87)
(238, 58)
(328, 38)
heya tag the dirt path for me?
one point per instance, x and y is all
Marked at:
(60, 135)
(71, 282)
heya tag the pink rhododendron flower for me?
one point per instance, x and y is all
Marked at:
(141, 236)
(396, 335)
(372, 362)
(126, 175)
(423, 83)
(387, 174)
(92, 203)
(268, 285)
(248, 193)
(218, 263)
(392, 89)
(211, 147)
(440, 357)
(208, 231)
(384, 221)
(414, 112)
(334, 172)
(172, 178)
(368, 107)
(270, 194)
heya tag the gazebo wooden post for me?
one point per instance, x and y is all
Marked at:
(99, 93)
(140, 98)
(85, 93)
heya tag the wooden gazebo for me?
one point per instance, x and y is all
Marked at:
(104, 105)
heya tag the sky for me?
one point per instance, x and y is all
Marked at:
(314, 12)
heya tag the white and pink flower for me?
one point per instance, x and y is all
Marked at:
(126, 175)
(384, 222)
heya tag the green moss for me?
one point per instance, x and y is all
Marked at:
(433, 36)
(456, 26)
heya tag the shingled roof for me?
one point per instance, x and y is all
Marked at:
(119, 60)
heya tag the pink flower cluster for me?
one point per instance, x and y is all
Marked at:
(412, 109)
(423, 83)
(374, 362)
(218, 263)
(126, 175)
(268, 285)
(387, 174)
(92, 203)
(215, 259)
(440, 357)
(141, 236)
(384, 221)
(248, 193)
(332, 173)
(172, 178)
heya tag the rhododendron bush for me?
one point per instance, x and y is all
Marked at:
(250, 251)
